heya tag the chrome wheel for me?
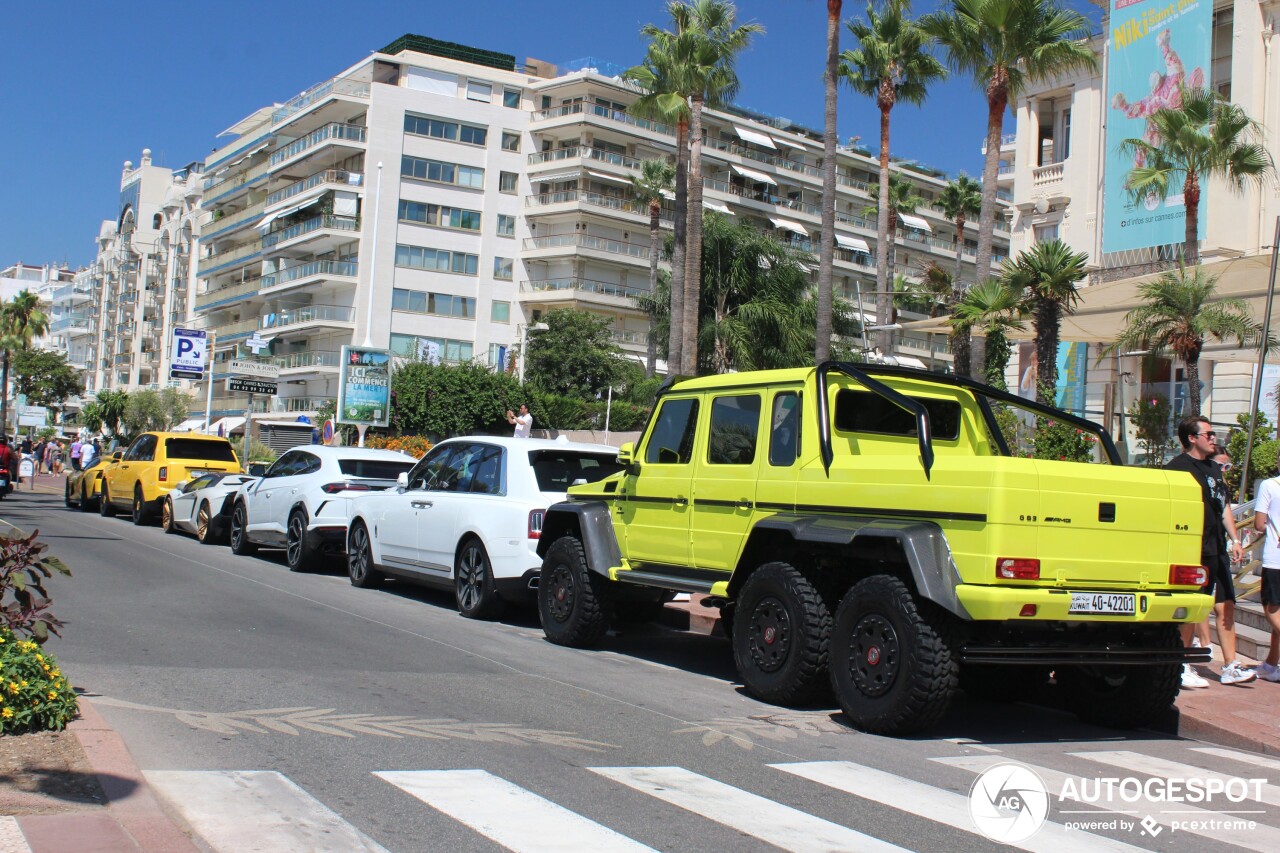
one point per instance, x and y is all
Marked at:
(166, 517)
(202, 523)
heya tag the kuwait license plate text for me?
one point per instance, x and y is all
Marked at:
(1102, 602)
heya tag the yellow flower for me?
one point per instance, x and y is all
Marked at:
(46, 667)
(6, 713)
(24, 682)
(40, 658)
(13, 687)
(53, 695)
(57, 673)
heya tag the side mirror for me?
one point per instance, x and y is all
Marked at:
(402, 480)
(626, 457)
(115, 457)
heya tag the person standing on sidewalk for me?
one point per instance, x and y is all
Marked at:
(1199, 442)
(1266, 520)
(75, 454)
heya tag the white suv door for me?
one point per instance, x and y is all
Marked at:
(261, 494)
(453, 500)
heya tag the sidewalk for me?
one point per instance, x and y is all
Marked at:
(1238, 716)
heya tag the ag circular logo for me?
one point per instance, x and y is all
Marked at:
(1008, 803)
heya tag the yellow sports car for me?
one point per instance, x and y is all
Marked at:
(84, 488)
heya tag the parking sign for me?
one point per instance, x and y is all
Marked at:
(188, 354)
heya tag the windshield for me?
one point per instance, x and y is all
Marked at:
(557, 470)
(204, 449)
(374, 469)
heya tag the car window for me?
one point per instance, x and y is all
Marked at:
(784, 430)
(862, 411)
(421, 471)
(735, 425)
(671, 441)
(443, 472)
(373, 469)
(308, 463)
(209, 450)
(197, 483)
(142, 450)
(281, 466)
(557, 470)
(487, 477)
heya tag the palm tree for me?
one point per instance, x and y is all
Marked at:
(902, 199)
(1048, 274)
(21, 322)
(1207, 137)
(960, 199)
(1178, 313)
(1004, 45)
(649, 188)
(993, 308)
(827, 246)
(891, 64)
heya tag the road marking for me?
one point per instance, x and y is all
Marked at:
(769, 821)
(937, 804)
(517, 819)
(1235, 755)
(258, 810)
(971, 744)
(1135, 762)
(1261, 838)
(11, 838)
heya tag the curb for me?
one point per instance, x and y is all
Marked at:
(130, 801)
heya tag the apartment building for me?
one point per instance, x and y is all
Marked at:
(1055, 167)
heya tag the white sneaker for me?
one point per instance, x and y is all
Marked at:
(1268, 672)
(1234, 673)
(1190, 680)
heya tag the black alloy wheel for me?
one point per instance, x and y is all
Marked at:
(240, 544)
(473, 582)
(297, 554)
(360, 567)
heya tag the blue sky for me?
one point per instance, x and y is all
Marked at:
(92, 84)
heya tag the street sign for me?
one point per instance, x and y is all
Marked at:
(326, 433)
(364, 387)
(188, 354)
(254, 369)
(36, 416)
(258, 343)
(251, 386)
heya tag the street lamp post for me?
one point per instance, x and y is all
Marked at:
(373, 268)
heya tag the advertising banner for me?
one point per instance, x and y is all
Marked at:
(364, 387)
(1155, 48)
(1073, 363)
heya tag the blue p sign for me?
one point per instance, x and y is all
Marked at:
(185, 345)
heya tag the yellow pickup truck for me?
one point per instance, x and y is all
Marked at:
(870, 527)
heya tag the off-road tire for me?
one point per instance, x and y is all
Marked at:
(205, 532)
(361, 571)
(240, 544)
(139, 513)
(894, 667)
(1124, 697)
(298, 553)
(473, 585)
(105, 509)
(574, 603)
(166, 517)
(781, 635)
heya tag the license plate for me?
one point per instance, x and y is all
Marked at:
(1120, 604)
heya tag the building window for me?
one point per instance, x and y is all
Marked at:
(506, 182)
(441, 172)
(1066, 133)
(502, 268)
(506, 225)
(500, 312)
(449, 130)
(441, 304)
(1045, 233)
(442, 349)
(439, 215)
(479, 91)
(510, 141)
(511, 98)
(498, 356)
(437, 260)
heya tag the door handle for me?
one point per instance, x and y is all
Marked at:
(420, 504)
(744, 503)
(294, 492)
(681, 500)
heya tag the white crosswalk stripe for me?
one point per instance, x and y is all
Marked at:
(769, 821)
(1136, 762)
(1236, 755)
(517, 819)
(1261, 838)
(262, 811)
(936, 804)
(11, 838)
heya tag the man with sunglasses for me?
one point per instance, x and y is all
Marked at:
(1199, 443)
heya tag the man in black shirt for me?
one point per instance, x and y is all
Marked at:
(1199, 442)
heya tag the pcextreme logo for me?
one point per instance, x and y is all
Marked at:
(1009, 803)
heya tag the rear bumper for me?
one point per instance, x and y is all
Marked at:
(999, 604)
(522, 590)
(1062, 656)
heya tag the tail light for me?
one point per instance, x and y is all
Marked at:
(164, 473)
(1188, 575)
(334, 488)
(535, 523)
(1013, 568)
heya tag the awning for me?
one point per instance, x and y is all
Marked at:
(753, 175)
(788, 225)
(605, 176)
(555, 177)
(914, 222)
(717, 207)
(308, 203)
(189, 425)
(757, 138)
(856, 244)
(787, 142)
(266, 221)
(225, 426)
(248, 154)
(906, 361)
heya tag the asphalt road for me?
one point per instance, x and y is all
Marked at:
(269, 689)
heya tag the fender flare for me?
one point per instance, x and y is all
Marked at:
(591, 521)
(923, 544)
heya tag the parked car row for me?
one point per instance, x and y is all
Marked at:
(466, 516)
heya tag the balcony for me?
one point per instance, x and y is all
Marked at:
(300, 404)
(328, 176)
(310, 315)
(226, 295)
(603, 112)
(316, 94)
(587, 241)
(568, 289)
(71, 294)
(122, 358)
(208, 265)
(219, 189)
(572, 198)
(324, 222)
(70, 325)
(1044, 177)
(308, 361)
(222, 225)
(237, 329)
(585, 152)
(328, 269)
(336, 132)
(633, 338)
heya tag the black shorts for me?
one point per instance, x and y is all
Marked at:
(1270, 587)
(1221, 583)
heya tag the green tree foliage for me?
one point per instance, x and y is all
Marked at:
(656, 177)
(960, 200)
(902, 199)
(21, 322)
(444, 400)
(574, 356)
(45, 377)
(1151, 416)
(149, 409)
(105, 411)
(993, 308)
(1263, 458)
(1049, 274)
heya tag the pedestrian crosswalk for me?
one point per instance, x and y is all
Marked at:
(265, 811)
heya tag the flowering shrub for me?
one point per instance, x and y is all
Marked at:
(414, 445)
(1061, 441)
(34, 694)
(24, 603)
